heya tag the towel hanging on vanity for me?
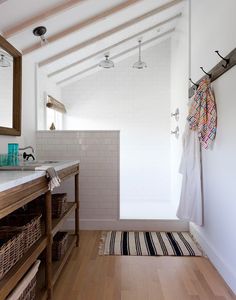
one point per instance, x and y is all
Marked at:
(51, 175)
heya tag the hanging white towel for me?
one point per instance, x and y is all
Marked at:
(190, 206)
(52, 176)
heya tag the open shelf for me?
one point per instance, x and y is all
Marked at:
(48, 271)
(57, 266)
(57, 223)
(15, 274)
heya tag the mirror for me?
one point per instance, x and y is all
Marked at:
(10, 89)
(6, 89)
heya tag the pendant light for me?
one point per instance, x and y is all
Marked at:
(4, 62)
(139, 64)
(106, 63)
(40, 31)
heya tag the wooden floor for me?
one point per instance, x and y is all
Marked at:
(89, 276)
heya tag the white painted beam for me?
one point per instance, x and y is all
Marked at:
(82, 25)
(108, 33)
(116, 56)
(104, 50)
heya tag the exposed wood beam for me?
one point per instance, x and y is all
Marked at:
(116, 56)
(114, 45)
(108, 33)
(83, 24)
(55, 10)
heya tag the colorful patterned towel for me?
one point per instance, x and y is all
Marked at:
(202, 115)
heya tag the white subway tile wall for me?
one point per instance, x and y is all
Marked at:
(98, 152)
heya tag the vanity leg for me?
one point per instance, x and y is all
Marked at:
(48, 229)
(77, 209)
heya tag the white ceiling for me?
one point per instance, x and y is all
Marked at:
(68, 45)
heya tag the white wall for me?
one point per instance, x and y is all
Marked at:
(136, 102)
(214, 28)
(28, 109)
(45, 87)
(179, 96)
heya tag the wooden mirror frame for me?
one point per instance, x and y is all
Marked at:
(17, 82)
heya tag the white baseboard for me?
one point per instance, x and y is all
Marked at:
(148, 225)
(225, 270)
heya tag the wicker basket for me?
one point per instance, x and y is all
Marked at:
(59, 204)
(30, 291)
(29, 224)
(36, 207)
(32, 231)
(12, 244)
(59, 246)
(26, 288)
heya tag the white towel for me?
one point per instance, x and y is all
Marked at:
(51, 174)
(190, 205)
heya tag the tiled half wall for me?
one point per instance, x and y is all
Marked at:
(98, 152)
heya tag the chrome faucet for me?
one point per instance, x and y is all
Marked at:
(27, 147)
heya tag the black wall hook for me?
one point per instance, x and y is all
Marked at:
(195, 84)
(227, 60)
(208, 74)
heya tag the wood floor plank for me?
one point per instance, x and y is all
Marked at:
(88, 276)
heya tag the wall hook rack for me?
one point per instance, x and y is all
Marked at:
(227, 60)
(195, 84)
(217, 71)
(208, 74)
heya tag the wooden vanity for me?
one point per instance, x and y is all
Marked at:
(21, 194)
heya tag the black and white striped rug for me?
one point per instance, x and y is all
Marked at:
(148, 243)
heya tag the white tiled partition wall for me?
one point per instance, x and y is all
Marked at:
(98, 152)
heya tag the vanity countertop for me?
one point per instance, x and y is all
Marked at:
(10, 179)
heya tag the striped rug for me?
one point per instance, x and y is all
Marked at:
(148, 244)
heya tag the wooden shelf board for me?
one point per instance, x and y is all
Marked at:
(57, 266)
(15, 274)
(57, 223)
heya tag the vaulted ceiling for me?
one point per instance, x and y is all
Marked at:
(80, 32)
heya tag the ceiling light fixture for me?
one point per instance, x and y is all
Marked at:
(139, 64)
(40, 31)
(4, 62)
(106, 63)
